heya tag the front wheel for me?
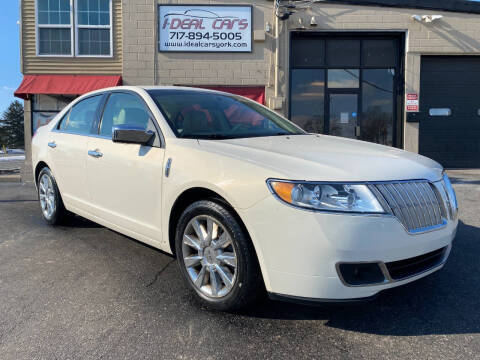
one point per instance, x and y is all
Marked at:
(216, 257)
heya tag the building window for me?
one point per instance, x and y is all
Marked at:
(45, 107)
(54, 33)
(307, 99)
(93, 28)
(89, 22)
(347, 85)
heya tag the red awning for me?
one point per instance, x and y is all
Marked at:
(256, 93)
(64, 84)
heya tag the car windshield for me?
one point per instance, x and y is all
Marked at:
(207, 115)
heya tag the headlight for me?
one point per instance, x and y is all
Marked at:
(326, 197)
(452, 198)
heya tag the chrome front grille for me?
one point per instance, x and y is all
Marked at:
(417, 204)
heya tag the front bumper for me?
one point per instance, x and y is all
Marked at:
(299, 251)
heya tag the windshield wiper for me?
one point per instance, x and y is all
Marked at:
(233, 136)
(208, 136)
(217, 137)
(279, 134)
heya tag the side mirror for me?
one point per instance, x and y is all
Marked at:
(131, 134)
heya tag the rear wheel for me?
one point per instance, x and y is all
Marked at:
(53, 210)
(216, 257)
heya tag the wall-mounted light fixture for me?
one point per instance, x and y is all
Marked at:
(300, 25)
(313, 22)
(426, 18)
(268, 27)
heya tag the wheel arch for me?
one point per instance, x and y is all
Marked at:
(193, 194)
(40, 165)
(188, 197)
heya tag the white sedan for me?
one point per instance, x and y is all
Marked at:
(245, 200)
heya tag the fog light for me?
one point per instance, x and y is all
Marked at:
(356, 274)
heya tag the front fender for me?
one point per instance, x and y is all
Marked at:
(242, 184)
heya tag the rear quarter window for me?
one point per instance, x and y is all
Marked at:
(81, 116)
(63, 120)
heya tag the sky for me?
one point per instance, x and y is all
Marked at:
(10, 76)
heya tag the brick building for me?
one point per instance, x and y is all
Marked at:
(400, 73)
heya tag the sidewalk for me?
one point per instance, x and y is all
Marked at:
(10, 167)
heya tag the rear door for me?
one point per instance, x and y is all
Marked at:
(450, 110)
(125, 179)
(68, 151)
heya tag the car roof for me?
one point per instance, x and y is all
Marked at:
(150, 88)
(143, 89)
(184, 88)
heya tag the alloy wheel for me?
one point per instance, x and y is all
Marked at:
(209, 256)
(46, 193)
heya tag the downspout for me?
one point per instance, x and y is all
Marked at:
(20, 32)
(155, 40)
(277, 42)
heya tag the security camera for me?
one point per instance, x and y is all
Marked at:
(284, 16)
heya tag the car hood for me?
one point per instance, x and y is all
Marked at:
(326, 158)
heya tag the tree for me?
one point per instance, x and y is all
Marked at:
(3, 136)
(11, 126)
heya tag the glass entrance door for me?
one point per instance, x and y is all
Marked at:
(348, 84)
(343, 115)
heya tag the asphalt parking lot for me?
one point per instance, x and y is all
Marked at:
(83, 291)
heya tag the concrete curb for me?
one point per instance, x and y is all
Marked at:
(14, 178)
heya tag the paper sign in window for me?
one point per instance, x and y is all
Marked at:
(344, 118)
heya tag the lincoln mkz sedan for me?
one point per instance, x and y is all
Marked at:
(246, 200)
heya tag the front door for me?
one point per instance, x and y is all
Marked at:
(125, 180)
(342, 116)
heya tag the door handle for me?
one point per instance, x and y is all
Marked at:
(52, 144)
(95, 153)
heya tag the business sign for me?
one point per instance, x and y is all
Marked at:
(204, 28)
(412, 103)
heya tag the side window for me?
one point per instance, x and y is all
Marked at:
(124, 109)
(82, 116)
(63, 121)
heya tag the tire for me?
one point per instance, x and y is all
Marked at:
(51, 203)
(226, 253)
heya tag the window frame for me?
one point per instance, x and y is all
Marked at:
(73, 26)
(95, 129)
(39, 26)
(104, 27)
